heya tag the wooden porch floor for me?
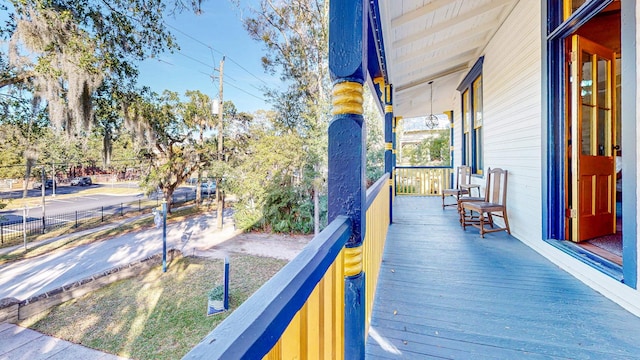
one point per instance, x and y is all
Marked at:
(445, 293)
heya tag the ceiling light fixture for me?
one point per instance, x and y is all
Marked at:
(431, 121)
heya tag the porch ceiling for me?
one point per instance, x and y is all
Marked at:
(435, 40)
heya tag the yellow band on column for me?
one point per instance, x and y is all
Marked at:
(347, 98)
(388, 109)
(388, 146)
(353, 261)
(390, 182)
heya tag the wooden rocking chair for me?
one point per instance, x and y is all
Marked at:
(463, 177)
(495, 204)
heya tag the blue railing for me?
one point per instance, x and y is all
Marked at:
(299, 313)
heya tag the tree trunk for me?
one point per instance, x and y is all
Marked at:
(219, 203)
(107, 148)
(199, 188)
(316, 208)
(168, 197)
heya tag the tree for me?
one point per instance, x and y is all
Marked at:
(440, 149)
(433, 150)
(59, 52)
(375, 139)
(62, 50)
(24, 123)
(198, 114)
(296, 40)
(108, 116)
(167, 140)
(267, 181)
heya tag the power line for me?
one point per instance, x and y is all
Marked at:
(166, 62)
(250, 73)
(244, 91)
(196, 60)
(217, 51)
(237, 87)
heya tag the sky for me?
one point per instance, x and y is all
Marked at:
(203, 40)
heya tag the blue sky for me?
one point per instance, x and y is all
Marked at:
(203, 39)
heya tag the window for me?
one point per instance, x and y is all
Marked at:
(472, 119)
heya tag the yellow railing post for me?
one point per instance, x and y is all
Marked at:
(422, 181)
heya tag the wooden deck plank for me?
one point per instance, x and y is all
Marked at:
(445, 293)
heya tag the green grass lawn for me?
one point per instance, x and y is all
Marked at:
(155, 315)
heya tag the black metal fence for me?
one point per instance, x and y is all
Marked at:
(14, 232)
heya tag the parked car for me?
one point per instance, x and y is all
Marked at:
(48, 184)
(208, 188)
(81, 181)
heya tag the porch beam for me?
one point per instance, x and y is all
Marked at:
(465, 56)
(491, 6)
(419, 12)
(418, 50)
(445, 72)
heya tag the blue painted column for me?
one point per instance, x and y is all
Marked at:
(346, 179)
(164, 235)
(389, 165)
(394, 147)
(451, 148)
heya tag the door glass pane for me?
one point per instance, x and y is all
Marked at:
(465, 111)
(604, 146)
(586, 82)
(477, 102)
(570, 6)
(618, 104)
(586, 131)
(466, 125)
(603, 89)
(575, 4)
(467, 149)
(479, 164)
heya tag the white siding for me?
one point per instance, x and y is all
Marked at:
(512, 116)
(512, 85)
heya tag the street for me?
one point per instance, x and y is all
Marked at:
(69, 204)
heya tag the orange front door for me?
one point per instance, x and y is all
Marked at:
(592, 138)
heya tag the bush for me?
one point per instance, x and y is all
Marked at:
(217, 293)
(284, 209)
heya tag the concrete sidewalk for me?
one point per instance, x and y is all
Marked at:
(18, 343)
(111, 225)
(30, 277)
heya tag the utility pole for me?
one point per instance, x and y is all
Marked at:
(219, 195)
(42, 188)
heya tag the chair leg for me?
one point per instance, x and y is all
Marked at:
(482, 225)
(463, 222)
(443, 201)
(506, 221)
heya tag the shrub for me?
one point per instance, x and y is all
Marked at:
(217, 293)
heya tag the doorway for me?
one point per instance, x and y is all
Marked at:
(593, 175)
